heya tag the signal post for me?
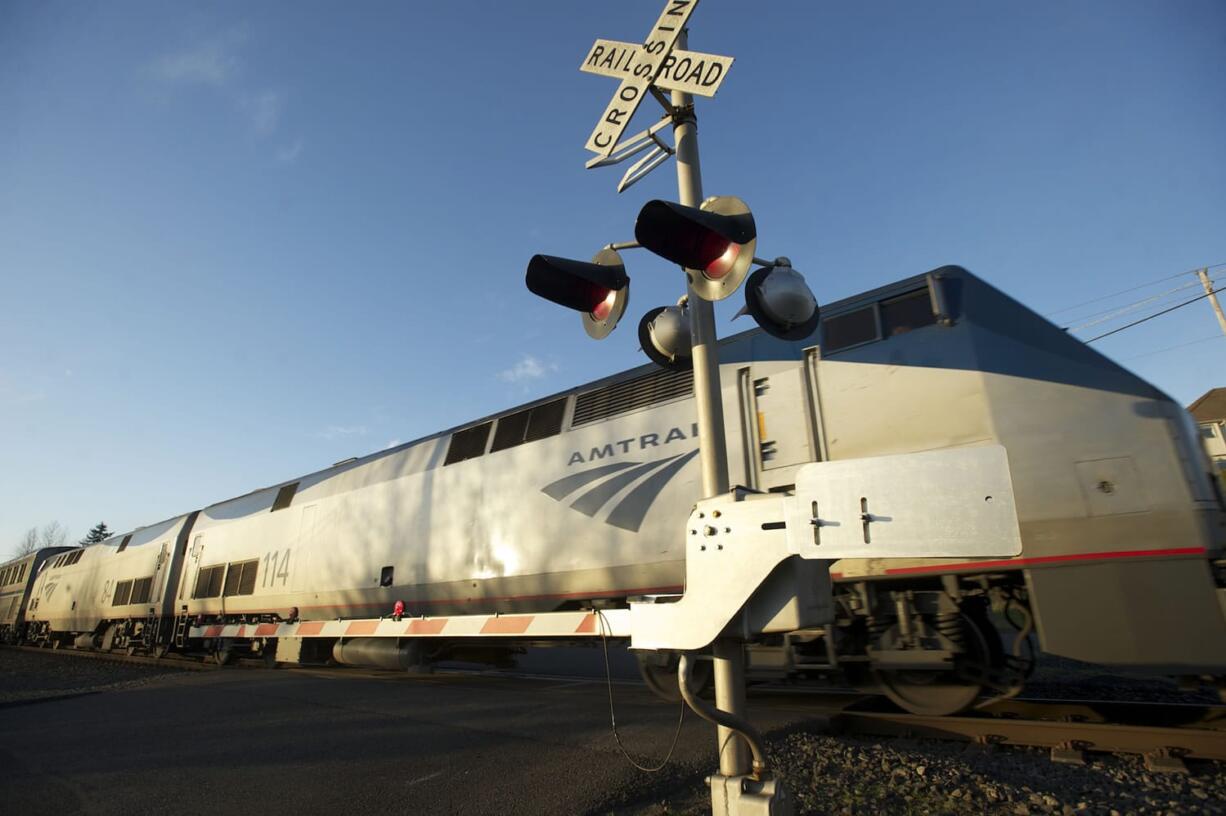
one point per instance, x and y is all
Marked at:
(729, 655)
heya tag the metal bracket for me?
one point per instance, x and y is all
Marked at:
(956, 502)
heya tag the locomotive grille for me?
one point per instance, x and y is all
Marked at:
(621, 397)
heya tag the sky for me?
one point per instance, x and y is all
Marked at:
(242, 241)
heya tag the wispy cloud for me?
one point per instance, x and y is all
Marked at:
(289, 153)
(391, 444)
(215, 61)
(11, 395)
(341, 431)
(263, 109)
(528, 368)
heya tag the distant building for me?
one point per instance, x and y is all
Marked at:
(1210, 414)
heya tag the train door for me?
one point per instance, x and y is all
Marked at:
(191, 573)
(159, 573)
(306, 539)
(780, 419)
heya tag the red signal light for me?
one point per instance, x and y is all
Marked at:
(598, 289)
(604, 306)
(714, 243)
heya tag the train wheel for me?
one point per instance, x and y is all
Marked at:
(223, 655)
(659, 673)
(943, 693)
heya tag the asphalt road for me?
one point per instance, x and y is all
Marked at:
(314, 741)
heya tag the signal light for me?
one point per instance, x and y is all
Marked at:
(664, 335)
(715, 242)
(599, 290)
(778, 298)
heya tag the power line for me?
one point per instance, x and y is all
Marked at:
(1155, 314)
(1135, 288)
(1218, 336)
(1114, 312)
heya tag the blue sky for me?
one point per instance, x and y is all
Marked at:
(241, 241)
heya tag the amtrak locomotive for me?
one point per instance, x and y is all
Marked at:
(579, 501)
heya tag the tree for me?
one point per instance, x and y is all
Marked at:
(53, 534)
(28, 543)
(98, 534)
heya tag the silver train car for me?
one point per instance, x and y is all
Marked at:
(577, 501)
(16, 582)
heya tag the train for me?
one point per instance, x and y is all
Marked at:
(578, 501)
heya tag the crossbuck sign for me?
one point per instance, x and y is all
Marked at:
(652, 63)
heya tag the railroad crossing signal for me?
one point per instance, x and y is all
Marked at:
(599, 290)
(714, 243)
(647, 66)
(688, 71)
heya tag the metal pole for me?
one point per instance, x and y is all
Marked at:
(1203, 274)
(712, 452)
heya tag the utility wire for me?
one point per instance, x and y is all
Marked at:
(1135, 288)
(1155, 314)
(1218, 336)
(1114, 312)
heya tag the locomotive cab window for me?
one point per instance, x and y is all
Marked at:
(468, 444)
(907, 312)
(850, 329)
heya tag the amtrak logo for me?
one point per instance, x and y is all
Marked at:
(609, 480)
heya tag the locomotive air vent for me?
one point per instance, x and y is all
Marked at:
(640, 392)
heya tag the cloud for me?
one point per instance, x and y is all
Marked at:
(213, 62)
(263, 109)
(217, 63)
(528, 368)
(341, 431)
(393, 443)
(289, 153)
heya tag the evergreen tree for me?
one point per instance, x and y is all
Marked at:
(99, 533)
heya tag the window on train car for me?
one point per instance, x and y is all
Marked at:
(240, 578)
(208, 581)
(140, 590)
(850, 329)
(1206, 431)
(529, 425)
(285, 497)
(246, 584)
(387, 576)
(123, 545)
(123, 593)
(468, 443)
(907, 312)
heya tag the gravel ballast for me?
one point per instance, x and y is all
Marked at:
(829, 774)
(31, 676)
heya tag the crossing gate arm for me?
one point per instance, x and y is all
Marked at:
(546, 625)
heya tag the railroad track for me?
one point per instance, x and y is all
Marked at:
(1164, 734)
